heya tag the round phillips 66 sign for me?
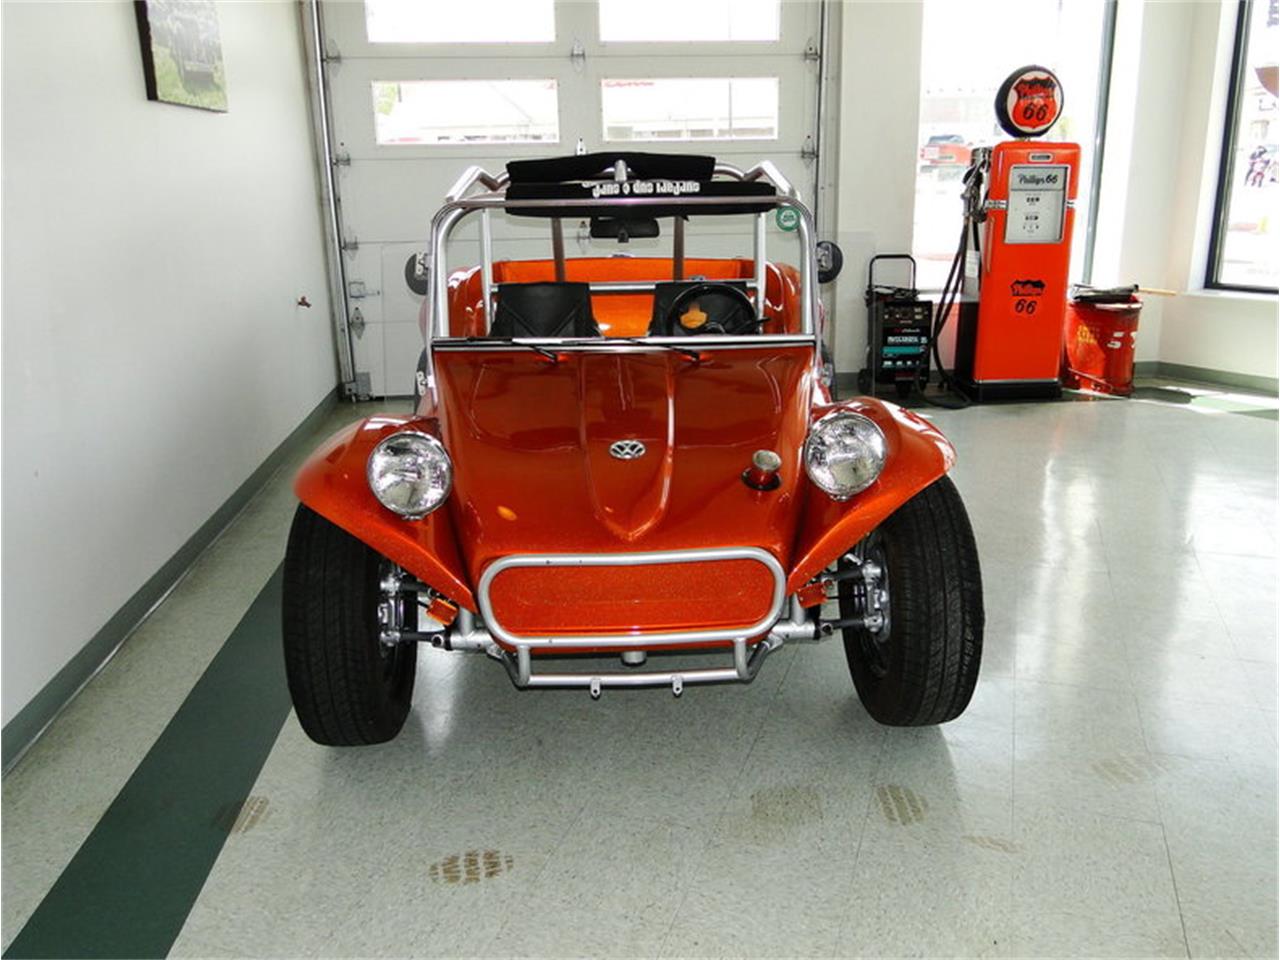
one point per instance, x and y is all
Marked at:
(1029, 102)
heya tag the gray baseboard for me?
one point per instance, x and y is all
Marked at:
(847, 383)
(1226, 378)
(32, 720)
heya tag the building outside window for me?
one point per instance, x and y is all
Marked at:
(958, 92)
(1243, 252)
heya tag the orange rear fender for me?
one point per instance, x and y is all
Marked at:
(918, 454)
(333, 483)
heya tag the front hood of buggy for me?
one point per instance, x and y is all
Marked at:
(531, 444)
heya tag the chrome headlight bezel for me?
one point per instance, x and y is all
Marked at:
(869, 435)
(425, 446)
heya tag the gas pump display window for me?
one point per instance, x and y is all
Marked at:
(1037, 202)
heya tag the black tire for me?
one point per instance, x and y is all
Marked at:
(347, 687)
(921, 668)
(864, 382)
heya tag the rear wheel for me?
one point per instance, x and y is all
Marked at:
(916, 585)
(348, 687)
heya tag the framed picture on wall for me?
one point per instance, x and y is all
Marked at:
(182, 52)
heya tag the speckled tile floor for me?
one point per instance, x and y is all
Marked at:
(1110, 791)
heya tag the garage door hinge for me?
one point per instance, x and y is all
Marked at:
(808, 151)
(358, 389)
(342, 159)
(359, 290)
(351, 246)
(811, 52)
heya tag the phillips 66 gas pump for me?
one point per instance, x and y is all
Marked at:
(1017, 249)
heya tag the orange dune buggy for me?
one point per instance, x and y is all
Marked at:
(627, 456)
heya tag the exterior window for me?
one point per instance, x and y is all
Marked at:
(679, 21)
(702, 108)
(957, 114)
(477, 21)
(1243, 251)
(466, 111)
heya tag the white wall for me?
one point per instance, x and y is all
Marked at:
(1212, 329)
(879, 106)
(1159, 181)
(153, 355)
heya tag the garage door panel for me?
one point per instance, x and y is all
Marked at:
(394, 202)
(401, 345)
(574, 21)
(346, 33)
(390, 190)
(797, 23)
(444, 88)
(578, 99)
(399, 303)
(367, 354)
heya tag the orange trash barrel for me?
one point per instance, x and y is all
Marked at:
(1099, 343)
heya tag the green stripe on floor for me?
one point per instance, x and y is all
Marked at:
(129, 888)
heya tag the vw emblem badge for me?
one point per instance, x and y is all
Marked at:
(627, 449)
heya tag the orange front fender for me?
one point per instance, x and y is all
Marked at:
(918, 454)
(333, 484)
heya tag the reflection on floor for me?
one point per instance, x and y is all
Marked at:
(1111, 790)
(1207, 398)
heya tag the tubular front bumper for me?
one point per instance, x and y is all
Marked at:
(515, 651)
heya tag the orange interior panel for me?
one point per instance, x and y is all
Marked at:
(623, 314)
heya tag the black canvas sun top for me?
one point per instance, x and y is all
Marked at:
(651, 176)
(599, 166)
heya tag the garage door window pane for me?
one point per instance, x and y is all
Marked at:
(679, 21)
(466, 111)
(702, 108)
(447, 21)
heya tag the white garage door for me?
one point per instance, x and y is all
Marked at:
(420, 89)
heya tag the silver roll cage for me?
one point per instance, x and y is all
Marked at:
(463, 199)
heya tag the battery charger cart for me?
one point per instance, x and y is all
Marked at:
(898, 329)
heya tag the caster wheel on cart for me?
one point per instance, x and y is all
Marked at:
(915, 660)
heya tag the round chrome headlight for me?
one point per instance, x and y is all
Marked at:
(410, 473)
(844, 454)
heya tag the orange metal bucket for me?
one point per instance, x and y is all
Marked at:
(1099, 345)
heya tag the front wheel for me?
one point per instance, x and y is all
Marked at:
(348, 687)
(915, 585)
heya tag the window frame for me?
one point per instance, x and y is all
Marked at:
(1105, 64)
(1230, 135)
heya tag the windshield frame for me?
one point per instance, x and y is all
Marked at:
(458, 205)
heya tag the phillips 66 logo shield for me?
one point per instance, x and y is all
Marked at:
(1029, 102)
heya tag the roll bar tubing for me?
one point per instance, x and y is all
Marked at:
(458, 204)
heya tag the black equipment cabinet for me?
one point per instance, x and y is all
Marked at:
(898, 330)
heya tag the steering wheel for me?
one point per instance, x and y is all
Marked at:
(711, 308)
